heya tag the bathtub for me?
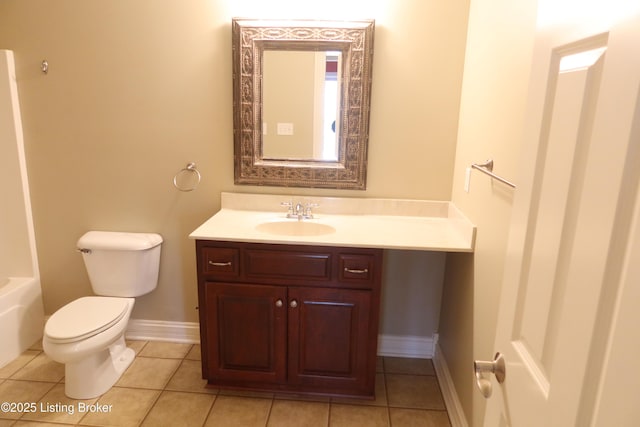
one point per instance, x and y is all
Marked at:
(21, 316)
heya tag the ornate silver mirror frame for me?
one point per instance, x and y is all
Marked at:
(354, 39)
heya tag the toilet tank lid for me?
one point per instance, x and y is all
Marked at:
(119, 241)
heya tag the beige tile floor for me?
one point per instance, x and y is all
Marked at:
(162, 387)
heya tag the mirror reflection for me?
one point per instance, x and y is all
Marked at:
(300, 105)
(301, 100)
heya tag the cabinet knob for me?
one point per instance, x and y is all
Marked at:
(279, 303)
(293, 304)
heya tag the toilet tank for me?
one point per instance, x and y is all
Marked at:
(121, 264)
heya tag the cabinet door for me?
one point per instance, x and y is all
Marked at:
(246, 327)
(332, 343)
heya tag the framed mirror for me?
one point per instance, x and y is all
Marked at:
(301, 100)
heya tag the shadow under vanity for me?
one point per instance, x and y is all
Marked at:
(295, 307)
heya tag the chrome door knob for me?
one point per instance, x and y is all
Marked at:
(483, 370)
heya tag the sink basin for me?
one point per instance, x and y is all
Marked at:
(295, 228)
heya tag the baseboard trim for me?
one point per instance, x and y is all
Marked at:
(406, 346)
(189, 332)
(160, 330)
(451, 400)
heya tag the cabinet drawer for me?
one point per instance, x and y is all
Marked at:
(356, 268)
(292, 265)
(223, 262)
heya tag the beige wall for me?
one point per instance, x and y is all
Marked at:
(136, 89)
(411, 293)
(499, 45)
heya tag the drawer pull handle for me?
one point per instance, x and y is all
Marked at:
(293, 304)
(350, 270)
(279, 303)
(220, 264)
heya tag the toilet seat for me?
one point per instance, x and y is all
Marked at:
(84, 318)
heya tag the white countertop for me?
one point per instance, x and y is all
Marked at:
(358, 222)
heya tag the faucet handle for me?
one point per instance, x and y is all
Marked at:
(308, 207)
(289, 206)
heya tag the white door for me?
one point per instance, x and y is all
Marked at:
(568, 326)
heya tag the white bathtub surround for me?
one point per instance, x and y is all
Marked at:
(21, 316)
(21, 310)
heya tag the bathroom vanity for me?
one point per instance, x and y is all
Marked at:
(292, 303)
(289, 317)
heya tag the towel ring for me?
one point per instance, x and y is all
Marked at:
(190, 168)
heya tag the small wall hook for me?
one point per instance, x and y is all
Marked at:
(44, 66)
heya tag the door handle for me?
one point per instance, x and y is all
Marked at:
(483, 370)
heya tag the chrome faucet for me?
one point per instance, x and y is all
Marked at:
(299, 210)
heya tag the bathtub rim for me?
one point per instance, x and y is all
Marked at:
(21, 303)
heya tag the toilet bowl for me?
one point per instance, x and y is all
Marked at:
(87, 335)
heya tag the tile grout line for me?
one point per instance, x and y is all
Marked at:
(164, 387)
(386, 391)
(266, 421)
(155, 402)
(52, 384)
(213, 402)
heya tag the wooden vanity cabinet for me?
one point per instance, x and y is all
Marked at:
(291, 318)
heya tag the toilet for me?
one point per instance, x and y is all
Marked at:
(87, 335)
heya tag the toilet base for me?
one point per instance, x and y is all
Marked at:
(97, 373)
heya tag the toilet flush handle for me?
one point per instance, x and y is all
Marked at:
(84, 250)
